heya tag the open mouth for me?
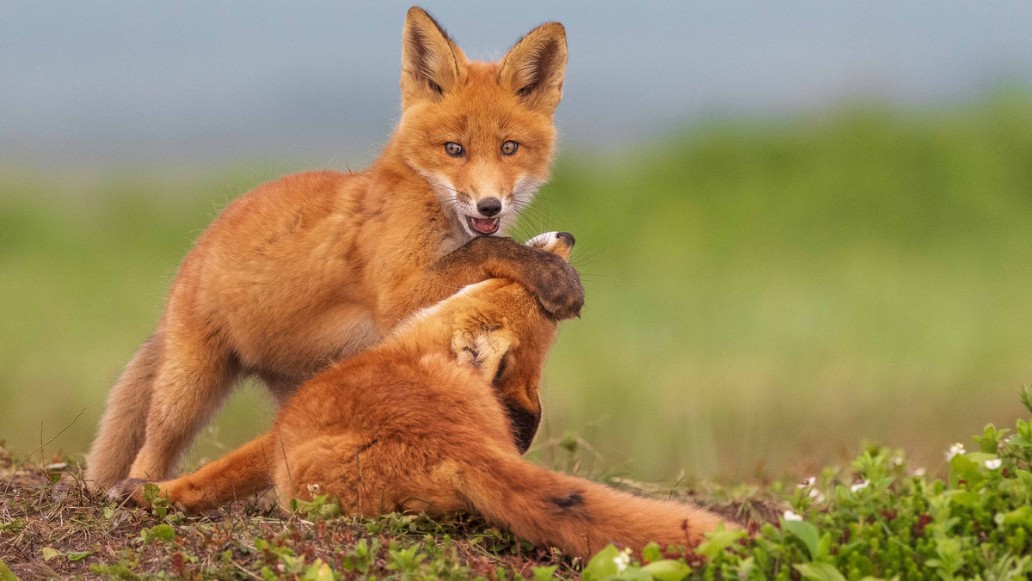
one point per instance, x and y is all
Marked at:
(483, 226)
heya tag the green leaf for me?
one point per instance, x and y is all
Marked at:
(651, 553)
(158, 503)
(717, 541)
(5, 573)
(746, 567)
(819, 571)
(990, 439)
(603, 565)
(1020, 516)
(50, 552)
(78, 555)
(545, 573)
(163, 532)
(968, 498)
(318, 571)
(823, 547)
(805, 532)
(570, 441)
(963, 469)
(14, 526)
(667, 570)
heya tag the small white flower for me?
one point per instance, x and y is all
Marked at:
(816, 495)
(808, 482)
(789, 515)
(859, 486)
(919, 472)
(993, 463)
(622, 560)
(897, 460)
(955, 449)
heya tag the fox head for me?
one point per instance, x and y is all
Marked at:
(480, 133)
(500, 329)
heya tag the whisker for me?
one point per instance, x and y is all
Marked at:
(587, 257)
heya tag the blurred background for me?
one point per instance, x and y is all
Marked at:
(801, 225)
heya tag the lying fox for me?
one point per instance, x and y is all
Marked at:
(316, 267)
(414, 424)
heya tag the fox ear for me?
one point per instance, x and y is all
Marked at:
(429, 59)
(535, 67)
(482, 347)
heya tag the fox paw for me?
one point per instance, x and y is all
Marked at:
(558, 287)
(558, 243)
(128, 489)
(540, 265)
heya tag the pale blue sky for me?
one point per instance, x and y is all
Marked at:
(121, 82)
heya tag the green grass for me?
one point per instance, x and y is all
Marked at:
(761, 295)
(878, 518)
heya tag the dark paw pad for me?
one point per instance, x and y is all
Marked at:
(561, 293)
(126, 489)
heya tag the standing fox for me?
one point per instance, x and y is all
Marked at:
(415, 424)
(316, 267)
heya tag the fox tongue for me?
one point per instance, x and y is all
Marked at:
(484, 225)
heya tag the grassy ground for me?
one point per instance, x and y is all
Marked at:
(51, 526)
(878, 518)
(761, 295)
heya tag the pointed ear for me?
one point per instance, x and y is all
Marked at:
(535, 67)
(429, 59)
(482, 347)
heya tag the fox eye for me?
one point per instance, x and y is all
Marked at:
(510, 147)
(453, 149)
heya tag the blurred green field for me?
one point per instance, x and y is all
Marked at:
(762, 295)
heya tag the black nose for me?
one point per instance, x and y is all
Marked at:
(570, 240)
(489, 207)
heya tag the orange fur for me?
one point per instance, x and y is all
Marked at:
(316, 267)
(417, 423)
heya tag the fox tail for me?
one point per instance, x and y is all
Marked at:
(578, 516)
(121, 432)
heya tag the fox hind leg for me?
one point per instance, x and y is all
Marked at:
(194, 378)
(238, 475)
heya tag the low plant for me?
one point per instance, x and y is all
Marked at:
(877, 519)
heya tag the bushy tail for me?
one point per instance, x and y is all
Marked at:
(576, 515)
(123, 426)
